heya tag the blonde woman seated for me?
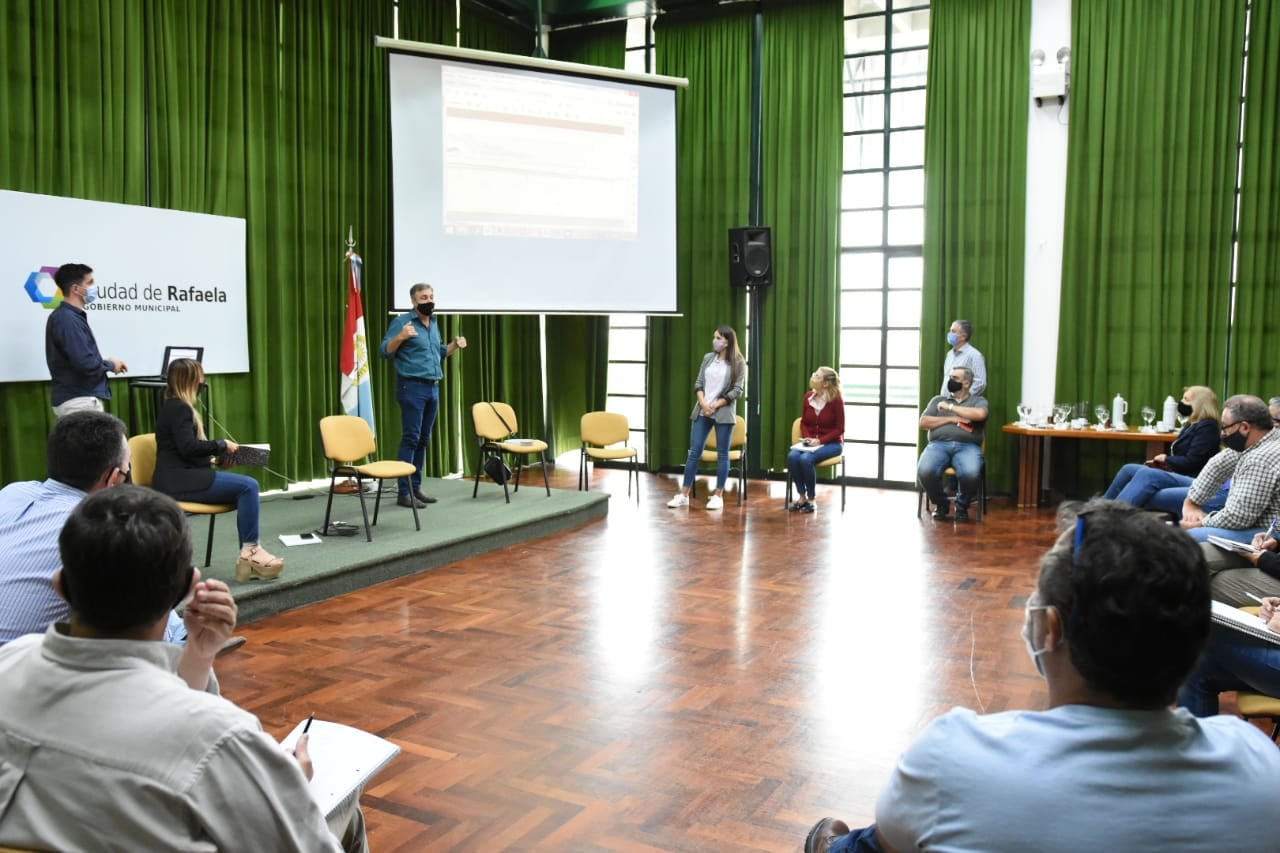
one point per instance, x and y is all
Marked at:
(184, 468)
(821, 433)
(1161, 482)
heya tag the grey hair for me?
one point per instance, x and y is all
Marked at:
(966, 328)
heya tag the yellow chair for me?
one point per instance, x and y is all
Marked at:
(496, 430)
(825, 463)
(737, 454)
(600, 429)
(143, 471)
(348, 439)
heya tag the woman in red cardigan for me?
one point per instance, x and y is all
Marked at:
(821, 435)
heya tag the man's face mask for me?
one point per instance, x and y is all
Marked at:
(426, 309)
(954, 385)
(1236, 440)
(1028, 634)
(952, 339)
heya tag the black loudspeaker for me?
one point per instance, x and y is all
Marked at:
(750, 257)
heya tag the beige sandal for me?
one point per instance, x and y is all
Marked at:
(257, 563)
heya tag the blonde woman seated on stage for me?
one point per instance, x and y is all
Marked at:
(184, 468)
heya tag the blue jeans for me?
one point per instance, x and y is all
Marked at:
(698, 435)
(235, 489)
(964, 456)
(1230, 661)
(1152, 488)
(1202, 534)
(418, 404)
(803, 466)
(858, 840)
(1171, 500)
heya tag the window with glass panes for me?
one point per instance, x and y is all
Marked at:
(627, 332)
(881, 236)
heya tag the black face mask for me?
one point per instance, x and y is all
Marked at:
(1184, 409)
(1235, 441)
(953, 386)
(426, 309)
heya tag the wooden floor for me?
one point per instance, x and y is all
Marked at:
(665, 679)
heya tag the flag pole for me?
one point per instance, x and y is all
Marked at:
(355, 387)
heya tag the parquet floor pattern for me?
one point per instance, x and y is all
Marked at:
(663, 680)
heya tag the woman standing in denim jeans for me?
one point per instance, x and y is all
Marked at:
(719, 385)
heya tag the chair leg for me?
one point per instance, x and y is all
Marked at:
(417, 525)
(208, 549)
(506, 484)
(333, 481)
(475, 490)
(364, 510)
(546, 481)
(519, 470)
(844, 484)
(377, 501)
(582, 471)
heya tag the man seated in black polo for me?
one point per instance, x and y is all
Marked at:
(955, 422)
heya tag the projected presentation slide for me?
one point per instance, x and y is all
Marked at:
(523, 190)
(520, 152)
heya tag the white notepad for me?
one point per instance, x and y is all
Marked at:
(1247, 623)
(345, 758)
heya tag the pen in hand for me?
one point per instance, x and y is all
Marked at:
(307, 727)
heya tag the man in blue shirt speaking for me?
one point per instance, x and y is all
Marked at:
(414, 346)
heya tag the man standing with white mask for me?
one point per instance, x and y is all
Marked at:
(1118, 618)
(76, 365)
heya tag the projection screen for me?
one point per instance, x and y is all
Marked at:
(534, 187)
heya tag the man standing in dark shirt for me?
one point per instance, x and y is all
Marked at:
(78, 370)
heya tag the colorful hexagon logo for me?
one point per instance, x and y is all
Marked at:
(41, 281)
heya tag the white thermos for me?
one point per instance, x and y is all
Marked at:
(1119, 408)
(1170, 416)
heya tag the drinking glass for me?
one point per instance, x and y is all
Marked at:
(1103, 414)
(1148, 416)
(1061, 412)
(1024, 412)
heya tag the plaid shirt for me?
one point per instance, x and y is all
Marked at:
(1254, 499)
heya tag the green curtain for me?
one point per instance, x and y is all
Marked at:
(1151, 171)
(503, 359)
(802, 143)
(975, 166)
(72, 123)
(220, 60)
(713, 121)
(433, 21)
(578, 347)
(332, 145)
(1254, 366)
(483, 29)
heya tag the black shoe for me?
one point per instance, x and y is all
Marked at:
(823, 833)
(943, 511)
(426, 499)
(798, 506)
(808, 506)
(962, 513)
(406, 500)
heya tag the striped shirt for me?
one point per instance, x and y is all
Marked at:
(31, 517)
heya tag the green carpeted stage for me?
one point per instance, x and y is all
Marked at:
(453, 528)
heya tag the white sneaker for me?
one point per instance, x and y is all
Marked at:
(681, 499)
(715, 502)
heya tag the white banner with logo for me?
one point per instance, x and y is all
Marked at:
(165, 278)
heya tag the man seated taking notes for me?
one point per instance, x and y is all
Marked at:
(112, 739)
